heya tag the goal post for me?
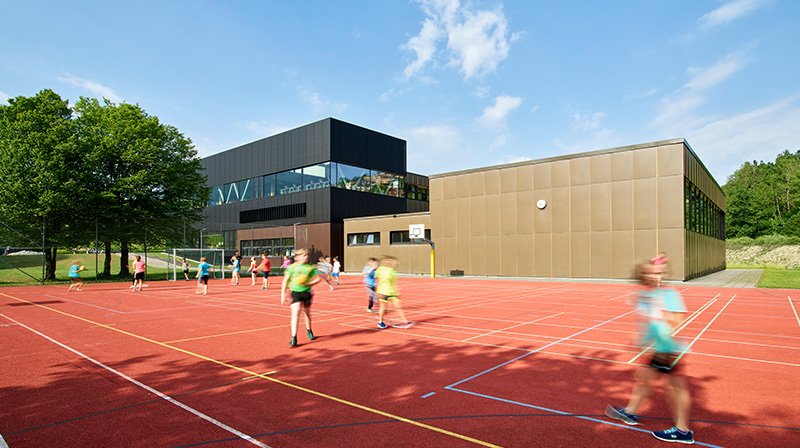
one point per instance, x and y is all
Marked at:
(214, 257)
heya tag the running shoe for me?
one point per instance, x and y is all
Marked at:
(621, 415)
(310, 335)
(293, 342)
(382, 325)
(674, 435)
(370, 310)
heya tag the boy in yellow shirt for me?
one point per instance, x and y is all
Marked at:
(386, 291)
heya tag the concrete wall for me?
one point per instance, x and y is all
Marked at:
(412, 258)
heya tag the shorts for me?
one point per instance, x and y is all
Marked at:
(664, 362)
(384, 298)
(265, 274)
(236, 270)
(204, 279)
(185, 271)
(335, 274)
(304, 296)
(138, 276)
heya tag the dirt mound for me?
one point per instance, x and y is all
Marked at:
(778, 256)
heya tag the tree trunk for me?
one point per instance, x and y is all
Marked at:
(123, 259)
(50, 255)
(107, 259)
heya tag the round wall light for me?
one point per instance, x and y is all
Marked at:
(541, 204)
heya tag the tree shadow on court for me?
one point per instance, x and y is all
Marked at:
(349, 386)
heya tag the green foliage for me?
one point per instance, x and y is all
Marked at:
(763, 198)
(95, 166)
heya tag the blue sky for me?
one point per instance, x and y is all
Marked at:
(466, 83)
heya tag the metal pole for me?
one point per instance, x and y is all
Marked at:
(44, 230)
(96, 248)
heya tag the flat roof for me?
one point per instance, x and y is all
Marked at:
(569, 156)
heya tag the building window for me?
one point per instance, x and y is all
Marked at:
(273, 213)
(401, 236)
(317, 176)
(364, 239)
(701, 214)
(272, 247)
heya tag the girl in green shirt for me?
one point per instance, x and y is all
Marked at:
(299, 277)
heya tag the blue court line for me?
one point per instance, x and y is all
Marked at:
(564, 413)
(537, 350)
(428, 394)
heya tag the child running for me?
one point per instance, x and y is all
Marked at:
(139, 269)
(386, 291)
(324, 268)
(661, 310)
(336, 268)
(369, 281)
(185, 266)
(264, 268)
(286, 262)
(74, 275)
(202, 277)
(253, 271)
(299, 277)
(236, 266)
(660, 267)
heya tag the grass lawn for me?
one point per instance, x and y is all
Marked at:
(13, 268)
(780, 278)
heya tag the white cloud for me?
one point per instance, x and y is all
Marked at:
(319, 103)
(677, 107)
(92, 86)
(512, 159)
(4, 97)
(729, 12)
(432, 147)
(264, 128)
(759, 134)
(476, 40)
(481, 91)
(495, 116)
(589, 122)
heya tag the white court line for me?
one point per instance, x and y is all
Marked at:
(793, 309)
(538, 350)
(686, 349)
(146, 387)
(688, 320)
(513, 326)
(3, 443)
(84, 303)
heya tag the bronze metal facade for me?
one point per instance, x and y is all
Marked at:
(604, 211)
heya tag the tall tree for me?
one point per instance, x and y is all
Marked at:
(147, 175)
(42, 175)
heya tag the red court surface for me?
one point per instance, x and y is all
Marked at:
(488, 363)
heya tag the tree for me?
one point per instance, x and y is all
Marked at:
(42, 174)
(147, 175)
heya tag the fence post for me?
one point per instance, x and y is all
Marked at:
(44, 233)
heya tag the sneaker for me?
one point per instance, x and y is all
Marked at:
(382, 325)
(674, 435)
(310, 335)
(293, 342)
(405, 325)
(621, 415)
(370, 310)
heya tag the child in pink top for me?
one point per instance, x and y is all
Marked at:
(139, 269)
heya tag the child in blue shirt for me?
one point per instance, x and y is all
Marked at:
(369, 281)
(202, 276)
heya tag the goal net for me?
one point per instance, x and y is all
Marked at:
(215, 257)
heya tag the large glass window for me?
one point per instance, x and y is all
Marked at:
(217, 196)
(352, 178)
(402, 236)
(317, 176)
(387, 183)
(269, 186)
(364, 239)
(245, 190)
(289, 181)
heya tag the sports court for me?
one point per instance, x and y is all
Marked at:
(488, 363)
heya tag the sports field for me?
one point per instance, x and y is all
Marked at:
(488, 363)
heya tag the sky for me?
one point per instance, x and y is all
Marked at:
(466, 83)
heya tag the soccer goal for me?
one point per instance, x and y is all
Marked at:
(214, 257)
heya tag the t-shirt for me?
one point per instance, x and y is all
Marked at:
(336, 267)
(324, 267)
(299, 276)
(138, 266)
(73, 271)
(236, 264)
(369, 276)
(652, 304)
(265, 265)
(386, 281)
(203, 268)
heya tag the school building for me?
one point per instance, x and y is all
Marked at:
(586, 215)
(295, 189)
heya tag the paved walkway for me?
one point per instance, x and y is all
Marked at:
(730, 278)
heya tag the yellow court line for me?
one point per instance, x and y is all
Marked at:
(268, 378)
(245, 331)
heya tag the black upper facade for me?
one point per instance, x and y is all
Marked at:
(321, 172)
